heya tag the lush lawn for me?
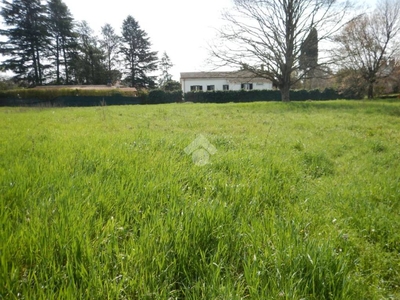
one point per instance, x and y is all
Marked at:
(300, 201)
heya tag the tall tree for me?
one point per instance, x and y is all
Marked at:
(165, 67)
(63, 37)
(270, 33)
(88, 63)
(27, 39)
(110, 43)
(369, 43)
(139, 59)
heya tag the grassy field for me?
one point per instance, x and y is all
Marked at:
(300, 201)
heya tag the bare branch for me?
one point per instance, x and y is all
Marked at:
(369, 44)
(266, 36)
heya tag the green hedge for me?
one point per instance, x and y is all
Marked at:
(160, 96)
(78, 97)
(259, 95)
(73, 101)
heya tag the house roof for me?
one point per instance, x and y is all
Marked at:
(233, 75)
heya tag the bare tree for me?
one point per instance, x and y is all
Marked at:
(369, 44)
(266, 36)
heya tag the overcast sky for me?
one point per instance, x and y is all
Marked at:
(182, 28)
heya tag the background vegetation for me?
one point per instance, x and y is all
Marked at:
(87, 97)
(301, 201)
(43, 44)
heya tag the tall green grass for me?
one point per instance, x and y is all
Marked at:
(301, 201)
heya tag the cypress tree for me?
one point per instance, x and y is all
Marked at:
(309, 54)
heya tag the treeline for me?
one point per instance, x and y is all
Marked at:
(44, 45)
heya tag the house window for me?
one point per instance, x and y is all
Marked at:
(247, 86)
(225, 87)
(194, 88)
(210, 87)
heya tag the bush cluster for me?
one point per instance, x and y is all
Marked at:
(259, 95)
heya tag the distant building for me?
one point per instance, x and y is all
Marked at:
(223, 81)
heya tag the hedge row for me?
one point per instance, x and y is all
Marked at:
(71, 97)
(159, 96)
(75, 97)
(259, 95)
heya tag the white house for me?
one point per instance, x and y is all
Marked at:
(223, 81)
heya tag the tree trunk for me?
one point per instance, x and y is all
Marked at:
(35, 64)
(39, 66)
(285, 92)
(133, 75)
(370, 90)
(58, 60)
(65, 62)
(109, 63)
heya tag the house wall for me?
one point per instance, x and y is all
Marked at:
(219, 82)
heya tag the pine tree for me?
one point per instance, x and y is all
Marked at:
(27, 39)
(63, 37)
(139, 59)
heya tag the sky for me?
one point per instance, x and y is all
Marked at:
(181, 28)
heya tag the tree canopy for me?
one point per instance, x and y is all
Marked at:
(138, 58)
(63, 38)
(111, 42)
(165, 66)
(27, 39)
(44, 44)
